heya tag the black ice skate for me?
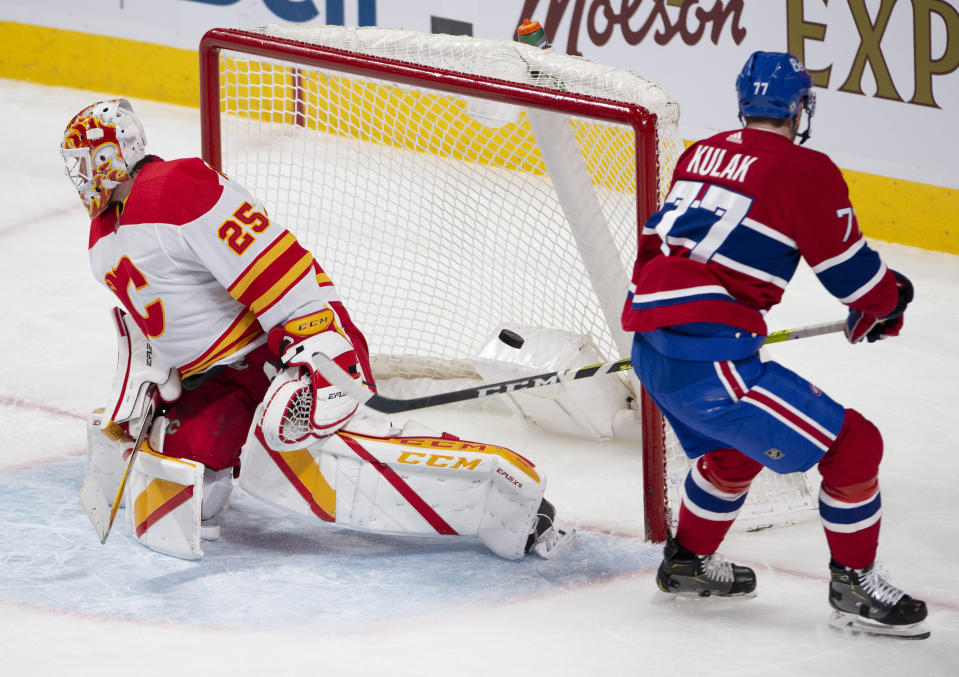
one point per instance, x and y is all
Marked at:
(686, 574)
(866, 603)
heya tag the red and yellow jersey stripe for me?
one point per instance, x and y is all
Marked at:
(272, 274)
(241, 333)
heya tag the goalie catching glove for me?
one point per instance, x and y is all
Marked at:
(861, 326)
(305, 400)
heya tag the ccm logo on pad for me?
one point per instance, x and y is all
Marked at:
(439, 460)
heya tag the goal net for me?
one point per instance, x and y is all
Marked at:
(452, 186)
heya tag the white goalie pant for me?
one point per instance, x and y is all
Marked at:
(414, 483)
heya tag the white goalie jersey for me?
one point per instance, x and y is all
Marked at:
(198, 264)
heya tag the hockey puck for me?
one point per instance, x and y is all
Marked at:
(512, 339)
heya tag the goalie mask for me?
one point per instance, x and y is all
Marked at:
(100, 147)
(775, 85)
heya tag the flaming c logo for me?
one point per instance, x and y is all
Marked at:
(127, 275)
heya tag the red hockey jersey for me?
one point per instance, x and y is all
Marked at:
(744, 206)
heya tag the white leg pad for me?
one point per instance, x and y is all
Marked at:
(164, 499)
(297, 480)
(405, 484)
(510, 513)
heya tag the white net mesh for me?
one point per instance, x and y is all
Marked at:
(442, 216)
(436, 214)
(774, 500)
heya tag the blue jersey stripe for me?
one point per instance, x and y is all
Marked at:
(755, 250)
(848, 277)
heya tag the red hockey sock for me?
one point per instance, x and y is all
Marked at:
(850, 505)
(714, 491)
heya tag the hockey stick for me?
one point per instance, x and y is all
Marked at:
(805, 332)
(92, 498)
(389, 405)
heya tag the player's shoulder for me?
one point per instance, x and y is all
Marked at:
(732, 137)
(791, 161)
(814, 170)
(179, 172)
(173, 192)
(792, 152)
(742, 141)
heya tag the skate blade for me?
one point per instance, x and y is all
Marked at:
(691, 596)
(556, 544)
(851, 624)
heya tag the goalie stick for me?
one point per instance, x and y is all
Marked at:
(389, 405)
(92, 498)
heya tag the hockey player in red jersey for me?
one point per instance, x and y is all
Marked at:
(223, 311)
(743, 207)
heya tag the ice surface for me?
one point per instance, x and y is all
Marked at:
(281, 595)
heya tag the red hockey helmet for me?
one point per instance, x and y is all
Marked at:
(100, 147)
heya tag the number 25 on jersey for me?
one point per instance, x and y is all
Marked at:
(235, 235)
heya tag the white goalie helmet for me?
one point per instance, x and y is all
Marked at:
(101, 145)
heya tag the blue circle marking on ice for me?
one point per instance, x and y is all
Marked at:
(269, 568)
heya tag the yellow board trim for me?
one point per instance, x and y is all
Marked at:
(907, 212)
(114, 66)
(894, 210)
